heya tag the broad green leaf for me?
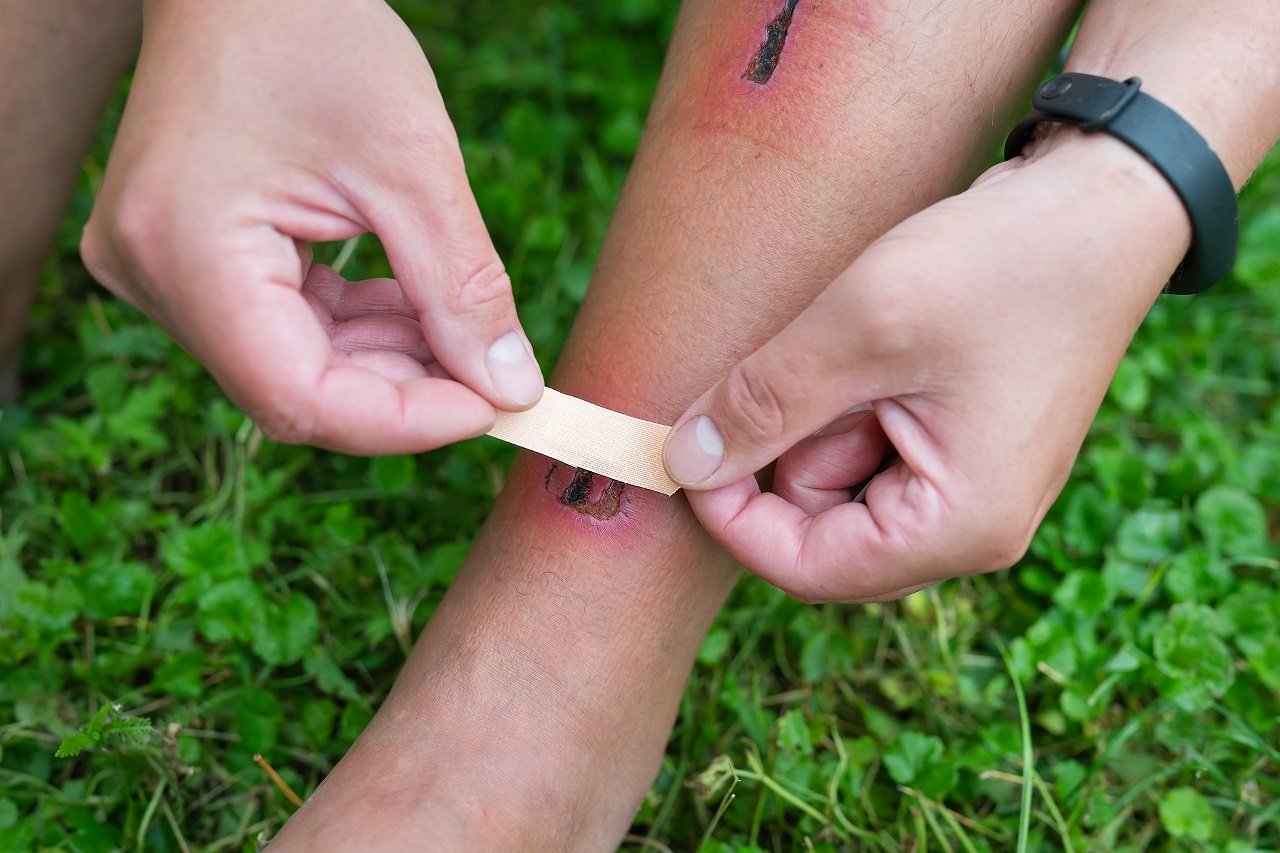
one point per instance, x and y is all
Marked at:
(258, 718)
(206, 550)
(1083, 592)
(714, 647)
(285, 633)
(182, 675)
(1197, 663)
(353, 720)
(118, 589)
(1150, 535)
(1130, 389)
(917, 760)
(1185, 813)
(1258, 260)
(328, 676)
(793, 733)
(1264, 660)
(230, 610)
(318, 716)
(394, 474)
(1233, 522)
(1197, 574)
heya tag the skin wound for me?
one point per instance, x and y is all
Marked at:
(577, 494)
(765, 60)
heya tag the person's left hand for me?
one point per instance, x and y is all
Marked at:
(983, 332)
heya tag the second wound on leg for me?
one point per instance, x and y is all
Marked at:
(765, 60)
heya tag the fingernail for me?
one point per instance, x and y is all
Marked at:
(694, 451)
(846, 422)
(516, 376)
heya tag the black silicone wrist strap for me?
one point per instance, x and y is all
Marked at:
(1171, 145)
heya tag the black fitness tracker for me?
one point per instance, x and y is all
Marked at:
(1170, 144)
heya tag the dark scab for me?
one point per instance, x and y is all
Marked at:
(577, 495)
(765, 61)
(578, 492)
(609, 503)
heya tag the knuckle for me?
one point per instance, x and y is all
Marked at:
(137, 221)
(894, 301)
(430, 136)
(894, 331)
(93, 252)
(994, 528)
(801, 581)
(754, 403)
(486, 289)
(1006, 546)
(124, 230)
(803, 594)
(286, 424)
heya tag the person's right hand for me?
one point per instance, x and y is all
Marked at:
(253, 128)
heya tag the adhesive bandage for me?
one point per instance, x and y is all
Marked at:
(588, 436)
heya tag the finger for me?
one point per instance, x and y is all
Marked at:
(351, 332)
(766, 550)
(395, 366)
(851, 552)
(443, 257)
(381, 332)
(348, 299)
(250, 325)
(305, 255)
(820, 472)
(779, 395)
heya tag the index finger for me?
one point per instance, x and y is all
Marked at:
(852, 552)
(260, 340)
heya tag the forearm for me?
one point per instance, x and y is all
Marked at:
(1217, 70)
(1214, 64)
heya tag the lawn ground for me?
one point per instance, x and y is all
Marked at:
(157, 553)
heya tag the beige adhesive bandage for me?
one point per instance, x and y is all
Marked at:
(588, 436)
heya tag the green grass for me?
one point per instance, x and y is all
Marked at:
(157, 554)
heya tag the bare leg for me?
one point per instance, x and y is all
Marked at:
(59, 62)
(533, 711)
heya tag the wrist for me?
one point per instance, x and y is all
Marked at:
(1130, 204)
(1214, 67)
(1115, 174)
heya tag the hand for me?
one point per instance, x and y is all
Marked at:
(983, 332)
(253, 128)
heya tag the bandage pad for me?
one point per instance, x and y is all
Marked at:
(588, 436)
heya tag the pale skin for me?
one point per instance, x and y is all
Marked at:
(234, 154)
(535, 706)
(983, 330)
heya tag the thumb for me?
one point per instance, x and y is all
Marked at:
(784, 392)
(444, 259)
